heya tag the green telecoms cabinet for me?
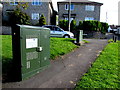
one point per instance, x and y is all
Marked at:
(31, 50)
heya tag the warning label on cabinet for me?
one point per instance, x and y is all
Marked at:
(32, 43)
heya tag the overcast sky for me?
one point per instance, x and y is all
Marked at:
(109, 6)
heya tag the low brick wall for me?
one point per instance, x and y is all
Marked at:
(6, 30)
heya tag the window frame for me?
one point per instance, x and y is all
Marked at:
(89, 18)
(36, 2)
(67, 7)
(89, 7)
(34, 16)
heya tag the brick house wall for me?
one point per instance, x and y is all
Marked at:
(79, 13)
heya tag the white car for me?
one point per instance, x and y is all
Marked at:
(56, 31)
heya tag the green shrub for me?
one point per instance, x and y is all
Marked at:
(80, 26)
(92, 25)
(73, 25)
(19, 17)
(64, 24)
(111, 40)
(104, 27)
(42, 20)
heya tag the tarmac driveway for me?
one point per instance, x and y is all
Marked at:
(66, 70)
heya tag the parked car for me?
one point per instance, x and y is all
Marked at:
(56, 31)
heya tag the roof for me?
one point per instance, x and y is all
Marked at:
(81, 2)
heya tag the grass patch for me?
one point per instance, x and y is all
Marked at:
(61, 46)
(86, 41)
(6, 52)
(58, 46)
(104, 71)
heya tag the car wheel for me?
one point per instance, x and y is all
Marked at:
(66, 36)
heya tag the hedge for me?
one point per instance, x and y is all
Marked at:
(91, 25)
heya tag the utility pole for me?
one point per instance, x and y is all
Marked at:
(106, 17)
(69, 15)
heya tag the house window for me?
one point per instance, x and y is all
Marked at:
(35, 16)
(36, 2)
(72, 7)
(13, 2)
(89, 8)
(66, 18)
(67, 7)
(89, 18)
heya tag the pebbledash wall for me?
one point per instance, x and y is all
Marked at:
(79, 13)
(44, 8)
(6, 30)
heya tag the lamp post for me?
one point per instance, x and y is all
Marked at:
(69, 15)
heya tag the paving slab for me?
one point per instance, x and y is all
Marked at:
(66, 70)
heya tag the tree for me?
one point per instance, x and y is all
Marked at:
(19, 17)
(42, 20)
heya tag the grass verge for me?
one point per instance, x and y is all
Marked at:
(58, 46)
(61, 46)
(104, 72)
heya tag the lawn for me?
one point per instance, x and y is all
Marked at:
(61, 46)
(104, 72)
(58, 47)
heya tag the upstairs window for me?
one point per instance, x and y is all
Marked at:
(89, 18)
(13, 2)
(67, 7)
(89, 8)
(36, 2)
(35, 16)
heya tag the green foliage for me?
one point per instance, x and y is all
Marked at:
(86, 41)
(104, 72)
(42, 20)
(21, 4)
(93, 25)
(104, 27)
(111, 40)
(19, 17)
(24, 5)
(80, 26)
(64, 24)
(73, 25)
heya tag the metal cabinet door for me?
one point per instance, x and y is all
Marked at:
(45, 44)
(30, 57)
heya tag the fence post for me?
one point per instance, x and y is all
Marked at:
(79, 36)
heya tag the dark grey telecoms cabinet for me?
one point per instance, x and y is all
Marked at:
(31, 50)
